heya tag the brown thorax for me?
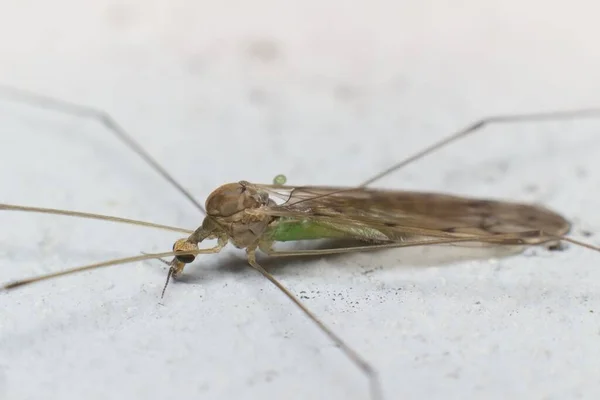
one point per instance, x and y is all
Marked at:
(228, 219)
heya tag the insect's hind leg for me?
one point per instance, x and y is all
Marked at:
(479, 125)
(104, 119)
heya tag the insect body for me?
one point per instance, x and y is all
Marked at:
(246, 215)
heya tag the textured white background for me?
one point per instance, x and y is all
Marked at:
(327, 92)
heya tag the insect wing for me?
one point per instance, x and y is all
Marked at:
(402, 213)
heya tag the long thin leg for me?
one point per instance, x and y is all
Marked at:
(78, 214)
(525, 238)
(478, 125)
(118, 261)
(472, 128)
(516, 241)
(357, 359)
(103, 118)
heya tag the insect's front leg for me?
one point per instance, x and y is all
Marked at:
(178, 262)
(191, 245)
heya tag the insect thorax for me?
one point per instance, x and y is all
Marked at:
(228, 207)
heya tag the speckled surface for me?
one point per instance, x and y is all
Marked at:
(326, 92)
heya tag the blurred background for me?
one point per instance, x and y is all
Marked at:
(326, 92)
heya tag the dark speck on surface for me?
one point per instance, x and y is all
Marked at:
(586, 233)
(558, 246)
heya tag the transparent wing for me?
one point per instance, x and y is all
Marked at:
(398, 214)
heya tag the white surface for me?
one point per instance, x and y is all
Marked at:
(327, 93)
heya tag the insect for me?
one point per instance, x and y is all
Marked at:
(255, 217)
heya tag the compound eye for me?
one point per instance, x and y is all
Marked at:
(186, 258)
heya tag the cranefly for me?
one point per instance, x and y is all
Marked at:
(255, 216)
